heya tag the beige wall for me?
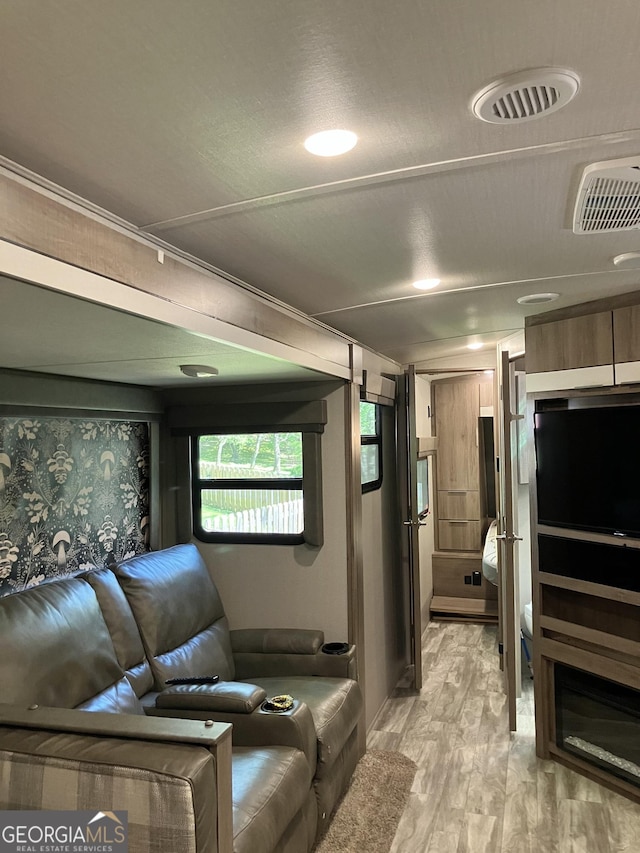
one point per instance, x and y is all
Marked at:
(293, 586)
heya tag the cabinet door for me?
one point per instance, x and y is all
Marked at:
(626, 325)
(449, 574)
(572, 353)
(457, 408)
(459, 535)
(462, 503)
(570, 344)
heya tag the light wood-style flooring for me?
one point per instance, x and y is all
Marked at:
(478, 788)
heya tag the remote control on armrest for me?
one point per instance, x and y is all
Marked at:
(195, 679)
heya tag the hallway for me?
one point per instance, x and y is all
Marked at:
(478, 789)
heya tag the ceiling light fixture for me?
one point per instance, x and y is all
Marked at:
(474, 346)
(330, 143)
(537, 298)
(199, 371)
(426, 283)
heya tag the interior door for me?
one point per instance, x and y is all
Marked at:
(407, 454)
(507, 537)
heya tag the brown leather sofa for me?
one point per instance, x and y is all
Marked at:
(107, 642)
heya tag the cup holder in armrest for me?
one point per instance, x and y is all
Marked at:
(278, 704)
(335, 648)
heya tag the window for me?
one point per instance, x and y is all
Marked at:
(370, 447)
(422, 469)
(251, 487)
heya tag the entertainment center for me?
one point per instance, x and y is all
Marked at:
(585, 494)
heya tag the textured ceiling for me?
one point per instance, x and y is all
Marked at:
(187, 120)
(47, 332)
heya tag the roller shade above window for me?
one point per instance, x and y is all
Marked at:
(309, 416)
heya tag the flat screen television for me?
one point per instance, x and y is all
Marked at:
(588, 468)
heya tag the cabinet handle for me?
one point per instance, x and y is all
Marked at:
(457, 491)
(456, 521)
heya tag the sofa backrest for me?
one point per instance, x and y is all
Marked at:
(122, 628)
(179, 614)
(56, 651)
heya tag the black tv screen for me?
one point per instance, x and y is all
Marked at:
(588, 469)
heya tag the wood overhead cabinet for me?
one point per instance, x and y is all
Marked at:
(596, 344)
(626, 339)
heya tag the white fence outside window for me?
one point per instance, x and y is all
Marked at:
(284, 517)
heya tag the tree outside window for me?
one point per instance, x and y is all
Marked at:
(248, 487)
(370, 447)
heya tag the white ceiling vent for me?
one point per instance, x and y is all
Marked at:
(608, 197)
(537, 298)
(525, 95)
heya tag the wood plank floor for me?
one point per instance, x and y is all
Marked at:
(479, 789)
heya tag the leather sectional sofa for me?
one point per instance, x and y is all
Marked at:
(198, 767)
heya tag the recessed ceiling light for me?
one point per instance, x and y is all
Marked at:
(426, 283)
(199, 371)
(537, 298)
(330, 143)
(474, 346)
(628, 261)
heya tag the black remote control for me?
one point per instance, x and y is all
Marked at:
(195, 679)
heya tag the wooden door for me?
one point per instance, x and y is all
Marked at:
(507, 537)
(407, 454)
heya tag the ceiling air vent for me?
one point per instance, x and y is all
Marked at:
(525, 95)
(537, 298)
(608, 197)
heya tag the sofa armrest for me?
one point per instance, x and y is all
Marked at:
(172, 777)
(231, 697)
(294, 727)
(274, 652)
(291, 641)
(113, 725)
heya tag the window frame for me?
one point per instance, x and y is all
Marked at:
(309, 484)
(368, 441)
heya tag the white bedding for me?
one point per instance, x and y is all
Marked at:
(490, 555)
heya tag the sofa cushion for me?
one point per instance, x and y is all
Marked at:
(335, 705)
(120, 698)
(56, 648)
(270, 786)
(179, 613)
(280, 641)
(123, 629)
(294, 727)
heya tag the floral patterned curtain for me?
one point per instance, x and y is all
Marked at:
(74, 495)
